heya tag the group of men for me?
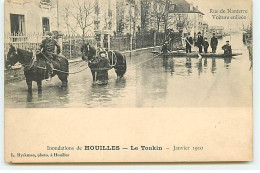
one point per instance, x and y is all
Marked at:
(201, 42)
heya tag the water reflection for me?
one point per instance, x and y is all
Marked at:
(149, 82)
(213, 66)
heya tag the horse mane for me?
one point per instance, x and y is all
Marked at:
(24, 53)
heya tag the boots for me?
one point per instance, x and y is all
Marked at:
(49, 77)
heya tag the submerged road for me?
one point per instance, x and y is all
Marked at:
(149, 82)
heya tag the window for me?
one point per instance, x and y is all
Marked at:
(45, 24)
(17, 24)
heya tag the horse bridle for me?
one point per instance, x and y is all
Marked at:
(27, 66)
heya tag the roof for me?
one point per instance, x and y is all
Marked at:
(183, 6)
(217, 27)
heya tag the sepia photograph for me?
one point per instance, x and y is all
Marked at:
(128, 81)
(127, 53)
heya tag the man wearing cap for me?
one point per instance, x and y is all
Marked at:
(227, 49)
(200, 42)
(214, 43)
(189, 42)
(103, 67)
(48, 46)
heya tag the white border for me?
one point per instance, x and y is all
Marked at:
(255, 165)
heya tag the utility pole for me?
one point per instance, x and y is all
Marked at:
(130, 30)
(58, 23)
(166, 17)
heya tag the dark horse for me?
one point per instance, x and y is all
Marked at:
(35, 66)
(116, 59)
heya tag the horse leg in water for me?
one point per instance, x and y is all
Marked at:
(64, 79)
(93, 75)
(39, 84)
(29, 84)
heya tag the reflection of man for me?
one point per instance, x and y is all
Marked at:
(48, 46)
(188, 42)
(227, 49)
(200, 42)
(214, 43)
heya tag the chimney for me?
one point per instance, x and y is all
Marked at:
(191, 6)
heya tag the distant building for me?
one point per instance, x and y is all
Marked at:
(184, 17)
(218, 30)
(30, 16)
(128, 18)
(181, 16)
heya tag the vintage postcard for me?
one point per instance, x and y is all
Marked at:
(128, 81)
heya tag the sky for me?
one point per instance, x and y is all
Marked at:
(205, 6)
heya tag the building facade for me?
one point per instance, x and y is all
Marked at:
(24, 17)
(176, 15)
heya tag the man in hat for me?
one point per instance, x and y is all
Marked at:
(47, 47)
(103, 67)
(227, 49)
(200, 42)
(206, 45)
(214, 43)
(189, 42)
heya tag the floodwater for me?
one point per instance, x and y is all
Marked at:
(150, 82)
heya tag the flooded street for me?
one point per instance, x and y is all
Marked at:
(150, 82)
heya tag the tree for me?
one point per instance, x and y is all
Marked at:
(145, 14)
(181, 21)
(82, 13)
(67, 19)
(120, 8)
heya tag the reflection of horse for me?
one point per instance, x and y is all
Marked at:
(35, 66)
(116, 60)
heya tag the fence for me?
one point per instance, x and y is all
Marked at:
(71, 45)
(28, 42)
(120, 43)
(144, 40)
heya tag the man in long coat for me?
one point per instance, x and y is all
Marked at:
(214, 43)
(189, 42)
(200, 42)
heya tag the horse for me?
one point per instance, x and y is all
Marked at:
(35, 66)
(116, 59)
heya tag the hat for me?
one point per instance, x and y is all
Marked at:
(199, 32)
(48, 33)
(227, 41)
(213, 33)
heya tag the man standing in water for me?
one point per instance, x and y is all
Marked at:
(214, 43)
